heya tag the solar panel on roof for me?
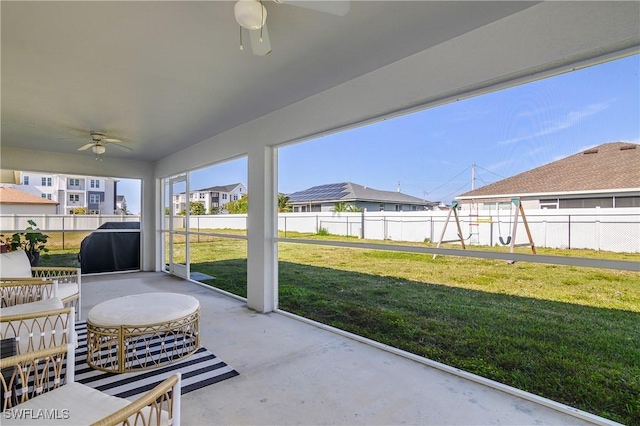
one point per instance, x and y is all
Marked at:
(320, 192)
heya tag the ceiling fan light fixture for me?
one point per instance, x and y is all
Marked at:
(98, 149)
(250, 14)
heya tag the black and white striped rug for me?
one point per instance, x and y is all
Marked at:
(198, 370)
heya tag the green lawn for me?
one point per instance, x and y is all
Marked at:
(567, 333)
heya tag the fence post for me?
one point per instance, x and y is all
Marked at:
(431, 228)
(384, 228)
(490, 230)
(569, 230)
(347, 217)
(362, 224)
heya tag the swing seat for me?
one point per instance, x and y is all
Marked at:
(505, 243)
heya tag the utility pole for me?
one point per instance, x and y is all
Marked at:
(473, 176)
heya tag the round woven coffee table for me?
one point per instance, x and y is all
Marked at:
(142, 331)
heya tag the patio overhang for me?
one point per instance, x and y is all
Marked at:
(54, 85)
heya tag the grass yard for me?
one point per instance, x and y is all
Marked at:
(566, 333)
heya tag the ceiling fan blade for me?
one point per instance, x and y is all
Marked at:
(121, 146)
(111, 140)
(334, 7)
(260, 48)
(87, 146)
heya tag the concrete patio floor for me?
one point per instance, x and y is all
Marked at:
(292, 372)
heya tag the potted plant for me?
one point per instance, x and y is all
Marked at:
(5, 244)
(32, 241)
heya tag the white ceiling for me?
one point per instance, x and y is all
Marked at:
(166, 75)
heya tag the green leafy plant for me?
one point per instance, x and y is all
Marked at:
(196, 209)
(342, 207)
(240, 206)
(283, 204)
(32, 241)
(323, 232)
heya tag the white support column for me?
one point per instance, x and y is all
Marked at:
(262, 228)
(149, 208)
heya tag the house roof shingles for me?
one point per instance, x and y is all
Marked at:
(220, 188)
(14, 196)
(614, 165)
(348, 191)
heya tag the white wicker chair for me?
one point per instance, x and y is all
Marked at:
(15, 267)
(41, 384)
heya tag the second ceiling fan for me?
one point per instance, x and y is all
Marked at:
(98, 142)
(252, 15)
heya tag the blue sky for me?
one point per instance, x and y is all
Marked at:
(430, 152)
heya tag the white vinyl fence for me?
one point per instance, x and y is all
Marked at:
(616, 230)
(55, 222)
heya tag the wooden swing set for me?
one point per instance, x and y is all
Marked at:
(511, 238)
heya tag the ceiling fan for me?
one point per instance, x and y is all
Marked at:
(98, 143)
(252, 15)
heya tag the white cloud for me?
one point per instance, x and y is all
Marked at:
(570, 120)
(499, 165)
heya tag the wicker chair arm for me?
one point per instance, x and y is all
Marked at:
(15, 291)
(157, 399)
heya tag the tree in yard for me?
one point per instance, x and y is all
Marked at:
(242, 205)
(238, 206)
(196, 209)
(214, 210)
(345, 208)
(79, 210)
(283, 204)
(124, 209)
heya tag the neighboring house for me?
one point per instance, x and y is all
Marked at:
(214, 197)
(323, 198)
(120, 203)
(607, 175)
(14, 201)
(96, 194)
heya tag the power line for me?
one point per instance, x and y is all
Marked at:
(489, 171)
(455, 191)
(466, 183)
(433, 190)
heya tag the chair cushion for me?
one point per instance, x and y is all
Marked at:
(75, 404)
(25, 308)
(15, 264)
(66, 290)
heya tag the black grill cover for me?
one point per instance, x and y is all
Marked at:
(111, 251)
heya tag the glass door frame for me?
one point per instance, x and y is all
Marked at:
(178, 269)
